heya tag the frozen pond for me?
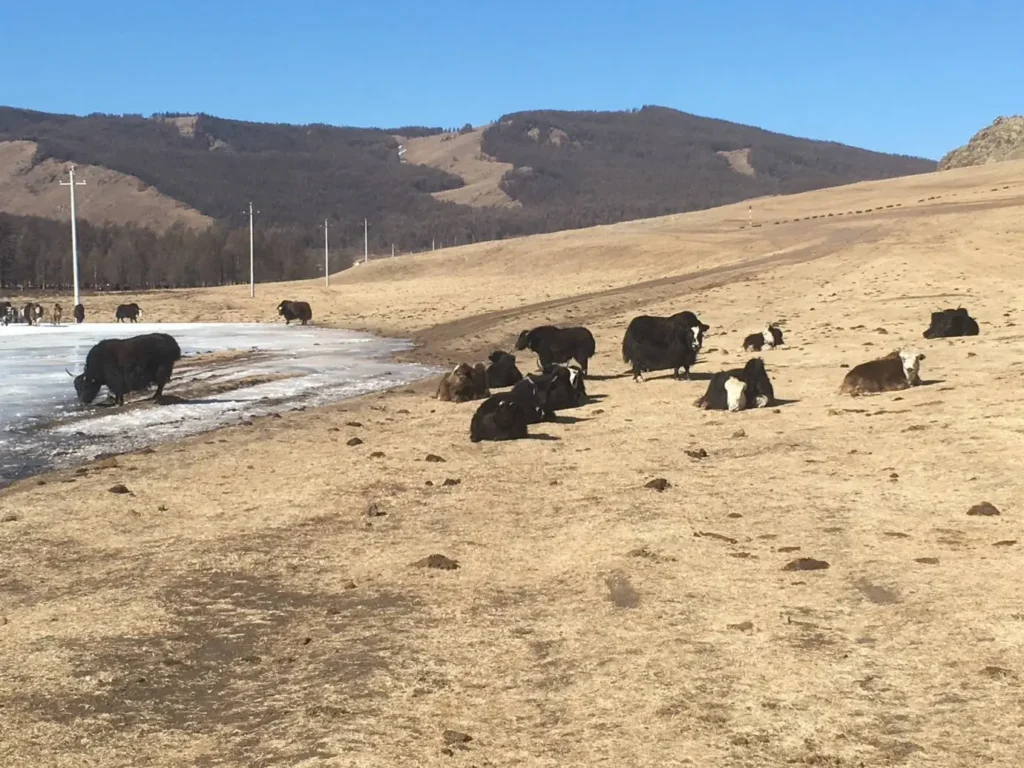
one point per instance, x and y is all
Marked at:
(42, 425)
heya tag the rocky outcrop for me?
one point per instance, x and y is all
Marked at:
(1003, 140)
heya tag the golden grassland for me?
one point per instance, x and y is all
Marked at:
(252, 600)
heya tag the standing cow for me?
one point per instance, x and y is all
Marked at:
(558, 345)
(295, 310)
(127, 365)
(79, 313)
(6, 312)
(128, 312)
(658, 343)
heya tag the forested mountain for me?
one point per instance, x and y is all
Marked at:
(570, 169)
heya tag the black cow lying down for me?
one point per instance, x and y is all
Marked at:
(527, 396)
(771, 337)
(560, 387)
(951, 322)
(502, 371)
(500, 417)
(656, 343)
(128, 365)
(739, 389)
(559, 345)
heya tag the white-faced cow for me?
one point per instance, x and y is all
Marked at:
(739, 389)
(951, 322)
(658, 343)
(8, 314)
(560, 387)
(464, 382)
(502, 370)
(898, 370)
(559, 345)
(295, 310)
(770, 337)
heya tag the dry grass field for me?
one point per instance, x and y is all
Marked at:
(254, 598)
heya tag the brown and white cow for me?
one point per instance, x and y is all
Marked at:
(900, 369)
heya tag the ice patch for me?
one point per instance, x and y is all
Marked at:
(42, 424)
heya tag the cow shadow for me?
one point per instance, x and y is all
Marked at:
(694, 376)
(930, 382)
(540, 436)
(780, 403)
(559, 419)
(595, 398)
(606, 377)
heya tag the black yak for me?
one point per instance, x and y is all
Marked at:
(559, 345)
(295, 310)
(659, 343)
(127, 365)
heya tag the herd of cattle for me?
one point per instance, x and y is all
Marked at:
(652, 344)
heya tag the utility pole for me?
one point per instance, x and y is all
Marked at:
(327, 258)
(71, 184)
(252, 269)
(392, 250)
(366, 241)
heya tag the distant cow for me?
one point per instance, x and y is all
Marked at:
(7, 312)
(770, 337)
(559, 345)
(128, 365)
(951, 322)
(502, 371)
(33, 313)
(128, 312)
(504, 421)
(739, 389)
(295, 310)
(56, 313)
(898, 370)
(658, 343)
(462, 383)
(79, 313)
(560, 387)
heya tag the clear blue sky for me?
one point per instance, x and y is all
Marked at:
(915, 77)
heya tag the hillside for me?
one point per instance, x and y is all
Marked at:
(528, 173)
(1001, 141)
(253, 598)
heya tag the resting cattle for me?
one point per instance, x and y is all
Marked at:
(6, 312)
(295, 310)
(462, 383)
(560, 387)
(128, 312)
(128, 365)
(558, 345)
(770, 337)
(56, 314)
(898, 370)
(79, 313)
(739, 389)
(33, 313)
(951, 322)
(527, 397)
(504, 420)
(658, 343)
(502, 371)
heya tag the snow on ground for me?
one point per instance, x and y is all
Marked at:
(43, 426)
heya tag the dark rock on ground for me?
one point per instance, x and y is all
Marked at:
(437, 561)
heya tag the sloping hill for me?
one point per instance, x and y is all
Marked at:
(31, 188)
(654, 160)
(529, 173)
(461, 155)
(1003, 140)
